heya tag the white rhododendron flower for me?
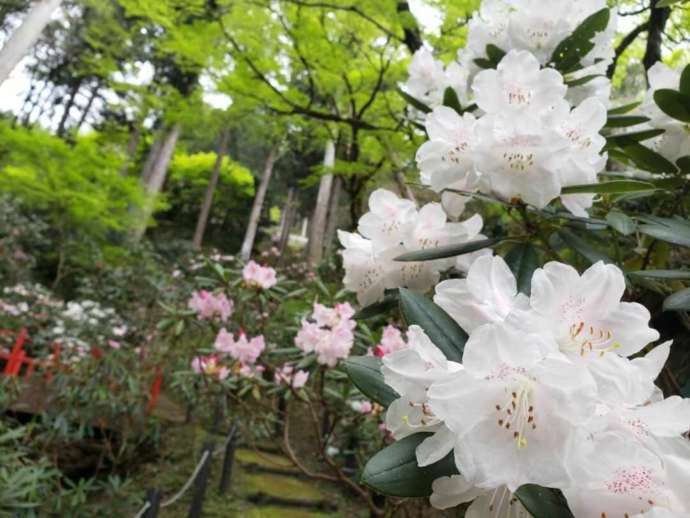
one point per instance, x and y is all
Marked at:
(428, 79)
(410, 372)
(675, 142)
(486, 503)
(513, 408)
(488, 294)
(393, 227)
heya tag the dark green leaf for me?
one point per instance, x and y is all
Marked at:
(495, 53)
(679, 301)
(523, 260)
(666, 275)
(647, 159)
(572, 49)
(684, 86)
(614, 187)
(673, 230)
(674, 104)
(441, 329)
(450, 99)
(583, 247)
(484, 63)
(394, 471)
(378, 308)
(622, 110)
(621, 222)
(365, 373)
(444, 252)
(635, 136)
(582, 80)
(624, 121)
(543, 502)
(414, 102)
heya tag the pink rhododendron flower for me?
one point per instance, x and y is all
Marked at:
(207, 305)
(363, 407)
(286, 374)
(262, 276)
(331, 336)
(242, 349)
(209, 366)
(114, 344)
(391, 341)
(251, 371)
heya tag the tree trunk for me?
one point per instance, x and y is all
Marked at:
(657, 22)
(70, 102)
(156, 178)
(132, 144)
(25, 36)
(87, 108)
(333, 214)
(255, 216)
(152, 157)
(405, 190)
(319, 218)
(210, 190)
(287, 220)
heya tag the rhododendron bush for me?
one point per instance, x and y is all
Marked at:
(535, 379)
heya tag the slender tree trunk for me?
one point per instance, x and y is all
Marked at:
(405, 190)
(152, 157)
(26, 36)
(159, 170)
(333, 214)
(87, 108)
(288, 220)
(74, 90)
(255, 216)
(132, 144)
(657, 22)
(319, 219)
(210, 190)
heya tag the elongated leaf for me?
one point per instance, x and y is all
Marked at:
(494, 53)
(684, 85)
(394, 471)
(615, 187)
(378, 308)
(582, 80)
(621, 222)
(683, 164)
(414, 102)
(365, 373)
(669, 3)
(523, 260)
(679, 301)
(583, 247)
(635, 136)
(622, 110)
(450, 99)
(674, 104)
(441, 329)
(647, 159)
(543, 502)
(671, 230)
(666, 275)
(624, 121)
(444, 252)
(572, 49)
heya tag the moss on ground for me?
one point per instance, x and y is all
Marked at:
(180, 451)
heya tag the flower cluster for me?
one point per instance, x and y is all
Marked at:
(210, 366)
(263, 277)
(552, 390)
(674, 143)
(527, 144)
(243, 349)
(209, 306)
(393, 227)
(329, 334)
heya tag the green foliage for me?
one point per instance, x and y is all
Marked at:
(365, 372)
